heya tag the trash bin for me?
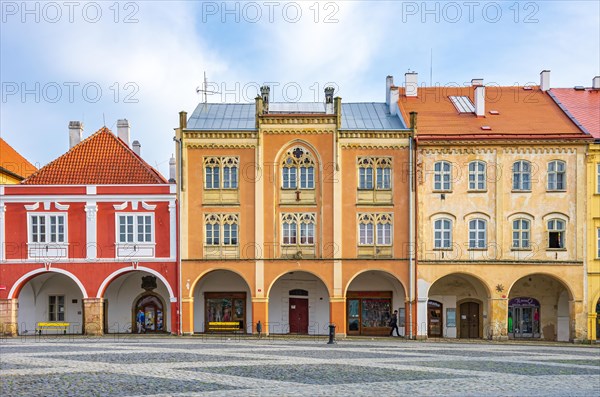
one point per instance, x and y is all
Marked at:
(331, 334)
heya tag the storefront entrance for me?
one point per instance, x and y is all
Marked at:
(434, 319)
(369, 313)
(469, 320)
(523, 318)
(225, 311)
(154, 314)
(298, 316)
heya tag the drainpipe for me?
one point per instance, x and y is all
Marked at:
(411, 223)
(178, 231)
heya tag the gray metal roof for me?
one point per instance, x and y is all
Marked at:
(240, 116)
(369, 116)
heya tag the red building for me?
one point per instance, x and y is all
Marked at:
(89, 240)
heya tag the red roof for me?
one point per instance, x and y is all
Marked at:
(101, 159)
(581, 105)
(11, 161)
(510, 113)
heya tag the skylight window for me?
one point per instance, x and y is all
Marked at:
(463, 104)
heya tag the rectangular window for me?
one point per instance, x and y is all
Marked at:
(307, 233)
(365, 178)
(384, 178)
(212, 177)
(442, 176)
(48, 229)
(366, 234)
(442, 234)
(230, 234)
(307, 177)
(289, 233)
(230, 179)
(477, 175)
(384, 234)
(289, 178)
(56, 308)
(212, 234)
(135, 228)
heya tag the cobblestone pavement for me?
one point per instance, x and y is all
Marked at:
(229, 366)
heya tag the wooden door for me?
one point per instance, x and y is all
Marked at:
(298, 316)
(435, 324)
(469, 320)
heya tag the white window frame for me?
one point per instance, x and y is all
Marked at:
(554, 173)
(477, 176)
(47, 249)
(442, 242)
(552, 227)
(365, 178)
(298, 173)
(295, 225)
(57, 311)
(442, 177)
(375, 229)
(517, 170)
(227, 180)
(225, 237)
(136, 248)
(477, 233)
(520, 230)
(374, 173)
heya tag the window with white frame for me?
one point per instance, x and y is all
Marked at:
(442, 233)
(442, 176)
(557, 175)
(477, 234)
(522, 175)
(135, 228)
(56, 308)
(374, 173)
(298, 169)
(221, 172)
(477, 175)
(556, 233)
(221, 229)
(294, 224)
(375, 229)
(47, 228)
(521, 234)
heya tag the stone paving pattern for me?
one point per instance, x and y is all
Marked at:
(229, 366)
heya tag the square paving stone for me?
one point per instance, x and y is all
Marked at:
(524, 368)
(145, 358)
(98, 384)
(323, 374)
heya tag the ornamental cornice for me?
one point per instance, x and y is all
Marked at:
(504, 142)
(369, 134)
(219, 135)
(539, 150)
(366, 146)
(458, 150)
(298, 120)
(223, 145)
(297, 131)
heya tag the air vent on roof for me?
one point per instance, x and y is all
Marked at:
(486, 128)
(462, 103)
(579, 88)
(494, 112)
(528, 88)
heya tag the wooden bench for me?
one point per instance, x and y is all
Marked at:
(54, 325)
(224, 326)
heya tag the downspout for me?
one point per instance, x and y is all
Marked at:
(179, 142)
(411, 223)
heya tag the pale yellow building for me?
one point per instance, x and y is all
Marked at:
(13, 167)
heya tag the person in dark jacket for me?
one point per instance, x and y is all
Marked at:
(394, 323)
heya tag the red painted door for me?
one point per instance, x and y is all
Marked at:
(298, 316)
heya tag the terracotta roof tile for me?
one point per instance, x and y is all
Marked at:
(101, 159)
(13, 162)
(582, 105)
(521, 114)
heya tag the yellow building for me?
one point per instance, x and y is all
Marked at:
(295, 215)
(583, 106)
(13, 167)
(500, 212)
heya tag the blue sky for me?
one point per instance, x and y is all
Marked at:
(142, 60)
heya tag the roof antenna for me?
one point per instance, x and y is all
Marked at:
(103, 120)
(205, 91)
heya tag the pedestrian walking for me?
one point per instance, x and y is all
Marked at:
(394, 323)
(259, 328)
(140, 319)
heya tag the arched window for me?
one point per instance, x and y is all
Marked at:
(556, 233)
(221, 172)
(375, 229)
(221, 229)
(293, 224)
(521, 234)
(374, 173)
(442, 233)
(557, 175)
(298, 169)
(477, 175)
(442, 176)
(522, 175)
(477, 233)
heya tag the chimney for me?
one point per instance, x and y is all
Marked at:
(137, 148)
(329, 100)
(264, 93)
(545, 80)
(389, 82)
(75, 133)
(476, 82)
(123, 130)
(480, 100)
(411, 83)
(172, 169)
(394, 97)
(596, 83)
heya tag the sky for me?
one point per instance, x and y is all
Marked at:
(98, 62)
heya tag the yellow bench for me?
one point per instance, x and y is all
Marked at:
(224, 326)
(53, 325)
